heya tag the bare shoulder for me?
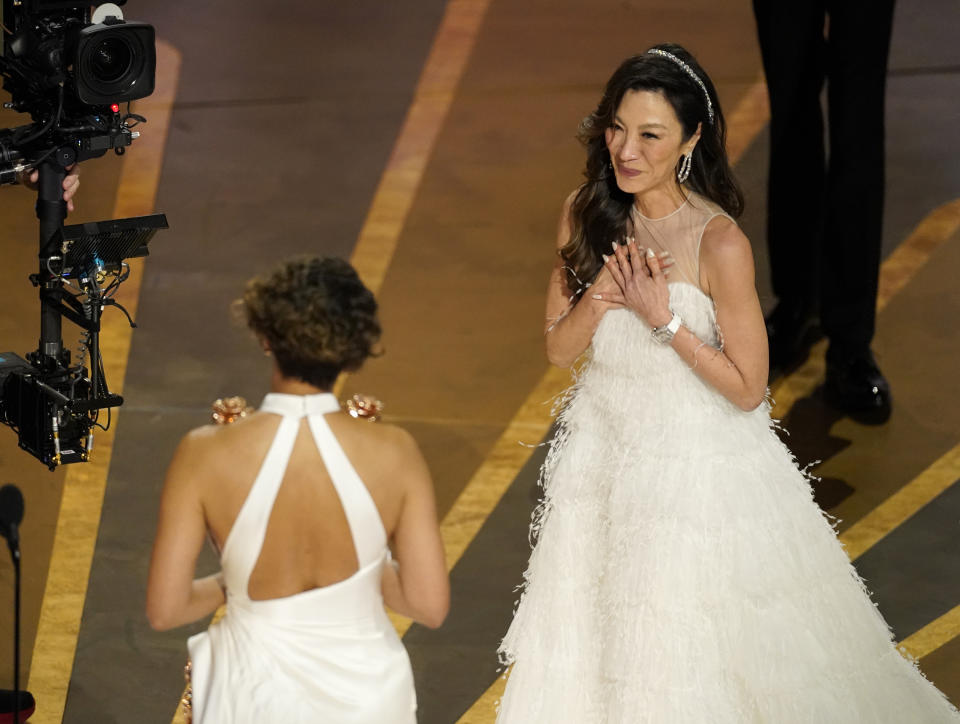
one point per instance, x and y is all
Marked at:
(723, 236)
(213, 436)
(393, 440)
(208, 444)
(384, 455)
(724, 244)
(726, 256)
(390, 441)
(199, 441)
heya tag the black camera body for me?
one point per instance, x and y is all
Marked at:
(71, 75)
(47, 428)
(54, 42)
(70, 67)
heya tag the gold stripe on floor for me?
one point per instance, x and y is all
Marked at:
(889, 515)
(84, 484)
(484, 711)
(499, 469)
(900, 506)
(401, 178)
(895, 273)
(398, 186)
(932, 636)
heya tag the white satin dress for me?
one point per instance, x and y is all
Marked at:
(325, 655)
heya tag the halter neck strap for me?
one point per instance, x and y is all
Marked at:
(300, 405)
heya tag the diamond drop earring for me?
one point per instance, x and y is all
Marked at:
(684, 171)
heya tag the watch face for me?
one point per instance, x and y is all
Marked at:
(665, 333)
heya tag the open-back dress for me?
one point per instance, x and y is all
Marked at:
(325, 655)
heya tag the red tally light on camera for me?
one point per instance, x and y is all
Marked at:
(115, 107)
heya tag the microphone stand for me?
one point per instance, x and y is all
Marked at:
(14, 546)
(15, 554)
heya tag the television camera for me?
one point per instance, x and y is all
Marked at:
(70, 66)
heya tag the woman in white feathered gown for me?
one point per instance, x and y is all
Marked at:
(682, 572)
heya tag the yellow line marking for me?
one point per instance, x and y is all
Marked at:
(499, 469)
(84, 484)
(510, 453)
(484, 711)
(398, 186)
(900, 506)
(892, 513)
(533, 419)
(401, 178)
(895, 273)
(932, 636)
(432, 99)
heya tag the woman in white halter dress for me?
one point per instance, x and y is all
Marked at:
(313, 644)
(682, 572)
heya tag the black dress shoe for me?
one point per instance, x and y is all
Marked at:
(791, 332)
(856, 387)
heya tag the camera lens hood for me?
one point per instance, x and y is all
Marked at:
(114, 63)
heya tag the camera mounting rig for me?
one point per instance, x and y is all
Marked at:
(70, 69)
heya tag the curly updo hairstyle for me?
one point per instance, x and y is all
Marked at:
(600, 212)
(316, 317)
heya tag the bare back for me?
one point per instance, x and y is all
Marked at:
(308, 542)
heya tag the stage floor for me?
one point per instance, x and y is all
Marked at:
(433, 144)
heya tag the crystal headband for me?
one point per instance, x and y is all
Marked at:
(689, 71)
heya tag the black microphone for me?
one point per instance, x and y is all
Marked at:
(11, 514)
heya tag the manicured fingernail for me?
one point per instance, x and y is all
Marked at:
(605, 258)
(598, 296)
(613, 244)
(650, 253)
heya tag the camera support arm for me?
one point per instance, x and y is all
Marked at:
(51, 211)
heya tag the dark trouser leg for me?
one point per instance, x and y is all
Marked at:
(794, 57)
(858, 46)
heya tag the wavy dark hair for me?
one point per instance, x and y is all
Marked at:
(315, 315)
(600, 211)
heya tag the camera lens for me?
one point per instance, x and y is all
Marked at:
(110, 59)
(114, 63)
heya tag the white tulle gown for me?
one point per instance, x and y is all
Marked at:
(325, 655)
(682, 572)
